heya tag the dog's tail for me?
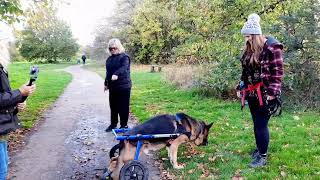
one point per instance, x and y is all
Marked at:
(116, 149)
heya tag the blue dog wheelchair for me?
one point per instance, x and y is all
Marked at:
(135, 169)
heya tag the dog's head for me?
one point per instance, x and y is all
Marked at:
(202, 137)
(199, 129)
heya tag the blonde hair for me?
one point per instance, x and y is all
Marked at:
(116, 43)
(4, 54)
(254, 48)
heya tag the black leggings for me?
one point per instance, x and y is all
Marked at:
(119, 105)
(260, 117)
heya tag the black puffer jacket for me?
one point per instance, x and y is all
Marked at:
(8, 102)
(119, 65)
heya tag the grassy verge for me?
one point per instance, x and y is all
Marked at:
(50, 84)
(294, 145)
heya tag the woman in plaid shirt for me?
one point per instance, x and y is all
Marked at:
(262, 65)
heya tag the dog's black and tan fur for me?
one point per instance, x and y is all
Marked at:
(189, 128)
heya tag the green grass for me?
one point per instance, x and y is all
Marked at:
(294, 147)
(294, 151)
(50, 84)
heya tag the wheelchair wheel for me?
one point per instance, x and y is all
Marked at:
(114, 151)
(134, 170)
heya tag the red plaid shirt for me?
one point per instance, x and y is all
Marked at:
(272, 70)
(271, 66)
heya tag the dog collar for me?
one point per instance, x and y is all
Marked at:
(178, 119)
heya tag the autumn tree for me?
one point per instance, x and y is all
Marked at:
(46, 36)
(10, 10)
(114, 26)
(207, 32)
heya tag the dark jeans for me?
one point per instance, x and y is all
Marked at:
(260, 117)
(119, 105)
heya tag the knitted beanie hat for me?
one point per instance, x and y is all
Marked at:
(252, 26)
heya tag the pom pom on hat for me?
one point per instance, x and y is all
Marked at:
(254, 17)
(252, 26)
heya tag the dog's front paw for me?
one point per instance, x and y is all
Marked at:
(146, 152)
(178, 166)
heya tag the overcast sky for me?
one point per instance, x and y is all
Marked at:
(83, 16)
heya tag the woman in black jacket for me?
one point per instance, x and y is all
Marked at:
(11, 102)
(118, 82)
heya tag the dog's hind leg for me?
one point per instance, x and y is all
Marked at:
(126, 154)
(168, 149)
(113, 164)
(174, 150)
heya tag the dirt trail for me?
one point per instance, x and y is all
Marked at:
(71, 142)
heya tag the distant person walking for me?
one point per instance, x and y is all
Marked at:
(262, 72)
(118, 82)
(83, 59)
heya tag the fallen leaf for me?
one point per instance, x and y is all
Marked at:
(191, 171)
(238, 172)
(200, 166)
(237, 178)
(88, 143)
(205, 173)
(212, 159)
(237, 175)
(296, 118)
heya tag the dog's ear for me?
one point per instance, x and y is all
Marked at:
(184, 119)
(209, 125)
(181, 115)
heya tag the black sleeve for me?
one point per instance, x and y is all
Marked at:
(106, 80)
(125, 63)
(243, 75)
(11, 98)
(242, 60)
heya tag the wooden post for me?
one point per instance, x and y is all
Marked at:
(152, 68)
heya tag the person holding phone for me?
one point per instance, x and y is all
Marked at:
(11, 102)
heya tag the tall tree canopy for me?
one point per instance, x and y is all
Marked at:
(46, 36)
(10, 10)
(208, 31)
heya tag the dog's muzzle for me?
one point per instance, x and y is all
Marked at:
(204, 143)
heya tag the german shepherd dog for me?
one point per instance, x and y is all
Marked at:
(188, 128)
